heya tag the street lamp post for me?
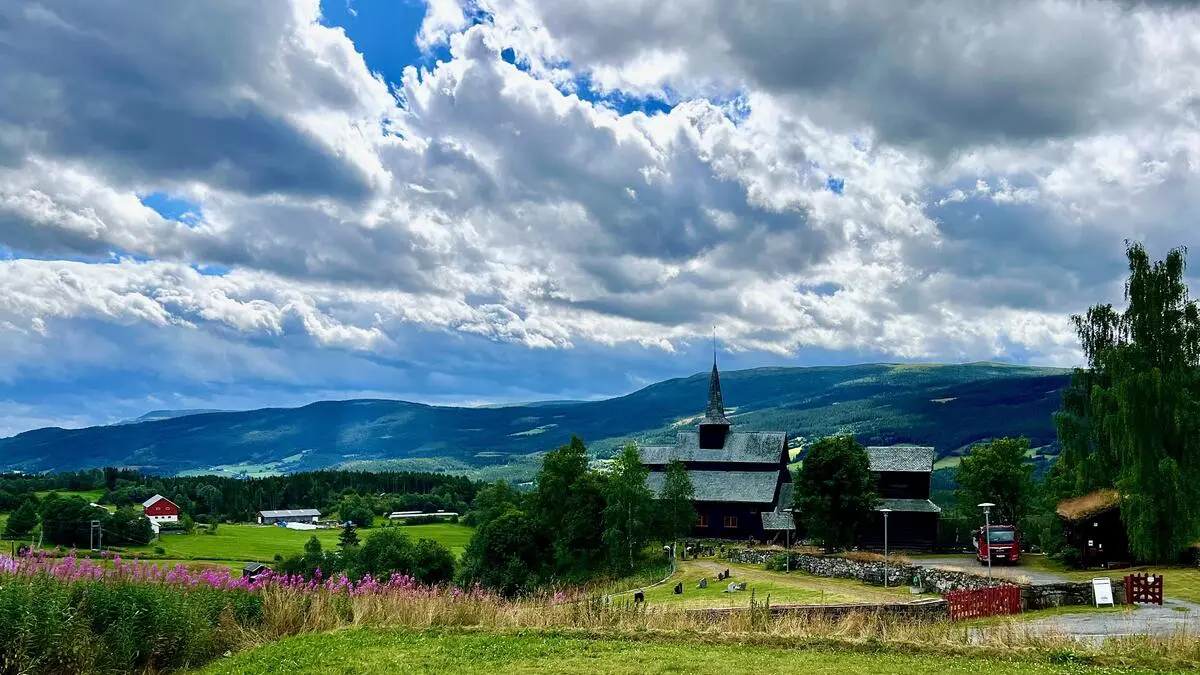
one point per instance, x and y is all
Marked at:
(987, 535)
(885, 513)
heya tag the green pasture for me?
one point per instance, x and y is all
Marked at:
(241, 543)
(91, 496)
(369, 650)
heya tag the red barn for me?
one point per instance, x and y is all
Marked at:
(159, 509)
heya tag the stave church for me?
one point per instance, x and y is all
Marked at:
(743, 488)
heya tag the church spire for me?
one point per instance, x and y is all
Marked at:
(715, 413)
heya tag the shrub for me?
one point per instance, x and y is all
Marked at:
(158, 550)
(94, 626)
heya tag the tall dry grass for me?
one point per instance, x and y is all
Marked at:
(286, 613)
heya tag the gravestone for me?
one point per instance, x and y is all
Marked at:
(741, 586)
(720, 576)
(732, 587)
(679, 588)
(703, 583)
(607, 600)
(726, 574)
(639, 597)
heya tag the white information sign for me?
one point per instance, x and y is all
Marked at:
(1102, 590)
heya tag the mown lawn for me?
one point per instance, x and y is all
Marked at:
(241, 543)
(781, 588)
(369, 651)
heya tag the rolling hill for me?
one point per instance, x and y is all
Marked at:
(947, 406)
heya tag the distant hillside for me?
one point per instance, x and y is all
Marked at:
(946, 406)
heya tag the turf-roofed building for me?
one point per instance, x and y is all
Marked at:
(741, 480)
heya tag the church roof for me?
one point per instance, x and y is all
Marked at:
(715, 412)
(909, 505)
(749, 487)
(915, 458)
(741, 447)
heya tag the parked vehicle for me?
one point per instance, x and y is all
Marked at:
(1003, 544)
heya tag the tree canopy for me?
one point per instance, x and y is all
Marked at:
(998, 472)
(677, 501)
(627, 515)
(835, 492)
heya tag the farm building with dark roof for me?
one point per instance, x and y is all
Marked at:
(741, 480)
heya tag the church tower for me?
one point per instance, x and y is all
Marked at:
(715, 425)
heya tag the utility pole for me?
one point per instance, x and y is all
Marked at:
(885, 545)
(987, 535)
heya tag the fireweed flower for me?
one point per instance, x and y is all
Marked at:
(70, 568)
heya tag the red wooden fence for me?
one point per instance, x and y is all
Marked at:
(980, 602)
(1144, 588)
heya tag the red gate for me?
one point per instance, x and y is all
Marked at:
(981, 602)
(1144, 588)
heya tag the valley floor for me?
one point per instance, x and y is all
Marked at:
(367, 650)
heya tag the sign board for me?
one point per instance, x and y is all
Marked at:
(1102, 590)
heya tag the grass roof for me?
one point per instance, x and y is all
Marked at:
(1093, 503)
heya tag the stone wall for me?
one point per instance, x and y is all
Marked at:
(932, 580)
(928, 578)
(1044, 596)
(920, 611)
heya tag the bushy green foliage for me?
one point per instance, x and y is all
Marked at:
(676, 506)
(835, 493)
(493, 501)
(628, 515)
(85, 627)
(21, 522)
(999, 472)
(127, 527)
(506, 555)
(357, 510)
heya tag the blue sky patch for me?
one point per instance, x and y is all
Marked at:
(173, 208)
(835, 185)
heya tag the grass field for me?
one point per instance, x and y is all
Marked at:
(241, 543)
(781, 588)
(90, 495)
(367, 650)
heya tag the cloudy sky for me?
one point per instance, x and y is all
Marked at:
(220, 203)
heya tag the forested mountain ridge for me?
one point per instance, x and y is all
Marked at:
(946, 406)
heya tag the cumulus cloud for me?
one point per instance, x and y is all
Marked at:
(927, 180)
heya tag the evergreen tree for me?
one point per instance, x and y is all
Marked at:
(313, 546)
(677, 502)
(998, 472)
(22, 521)
(835, 492)
(348, 538)
(627, 514)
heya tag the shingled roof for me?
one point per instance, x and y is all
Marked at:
(909, 505)
(747, 487)
(715, 412)
(741, 447)
(916, 458)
